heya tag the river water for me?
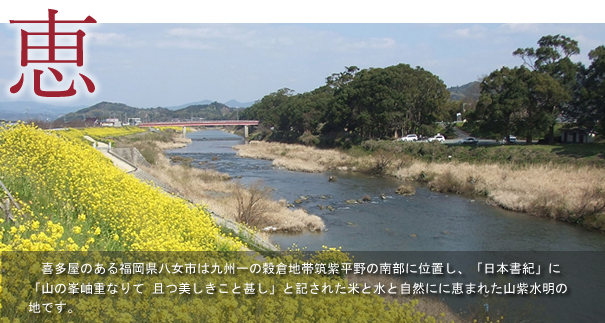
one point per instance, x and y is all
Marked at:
(426, 221)
(440, 222)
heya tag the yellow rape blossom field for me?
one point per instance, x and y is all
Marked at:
(99, 133)
(72, 199)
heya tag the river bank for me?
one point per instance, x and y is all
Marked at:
(252, 204)
(568, 193)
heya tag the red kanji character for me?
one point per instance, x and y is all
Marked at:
(51, 39)
(52, 47)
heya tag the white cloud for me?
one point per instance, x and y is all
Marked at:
(380, 7)
(522, 24)
(473, 32)
(440, 18)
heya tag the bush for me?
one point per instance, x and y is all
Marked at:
(252, 203)
(405, 189)
(309, 139)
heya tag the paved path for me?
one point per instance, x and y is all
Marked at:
(148, 178)
(117, 161)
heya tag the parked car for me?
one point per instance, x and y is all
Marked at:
(469, 141)
(439, 137)
(513, 140)
(411, 137)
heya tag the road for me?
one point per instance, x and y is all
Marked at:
(104, 149)
(460, 135)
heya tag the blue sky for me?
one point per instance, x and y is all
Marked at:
(149, 65)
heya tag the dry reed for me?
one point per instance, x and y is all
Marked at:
(215, 190)
(564, 192)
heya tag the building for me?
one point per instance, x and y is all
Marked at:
(134, 121)
(577, 135)
(111, 122)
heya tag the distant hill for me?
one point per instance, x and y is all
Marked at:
(237, 104)
(24, 110)
(469, 91)
(104, 110)
(177, 107)
(230, 103)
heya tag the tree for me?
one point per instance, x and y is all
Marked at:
(270, 109)
(517, 100)
(553, 57)
(544, 93)
(338, 80)
(589, 96)
(379, 102)
(504, 97)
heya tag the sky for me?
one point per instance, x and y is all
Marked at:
(169, 64)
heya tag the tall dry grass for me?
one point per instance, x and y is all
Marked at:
(564, 192)
(221, 195)
(295, 157)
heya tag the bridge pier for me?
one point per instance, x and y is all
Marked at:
(184, 132)
(246, 132)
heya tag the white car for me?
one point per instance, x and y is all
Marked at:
(439, 137)
(513, 140)
(411, 137)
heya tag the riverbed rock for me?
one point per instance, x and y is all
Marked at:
(413, 235)
(383, 197)
(351, 201)
(366, 198)
(298, 201)
(304, 198)
(216, 158)
(332, 179)
(323, 197)
(330, 208)
(321, 207)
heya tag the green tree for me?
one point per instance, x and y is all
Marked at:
(270, 109)
(589, 97)
(553, 56)
(503, 101)
(543, 93)
(379, 102)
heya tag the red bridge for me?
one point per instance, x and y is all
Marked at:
(201, 123)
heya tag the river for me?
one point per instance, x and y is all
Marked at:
(439, 222)
(426, 221)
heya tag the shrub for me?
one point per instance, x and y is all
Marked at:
(405, 189)
(252, 203)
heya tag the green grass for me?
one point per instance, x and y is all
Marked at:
(570, 154)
